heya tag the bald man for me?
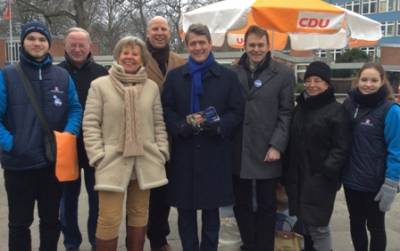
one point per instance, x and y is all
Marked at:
(162, 61)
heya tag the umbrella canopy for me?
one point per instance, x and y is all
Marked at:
(310, 24)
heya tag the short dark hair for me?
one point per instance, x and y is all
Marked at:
(198, 29)
(256, 30)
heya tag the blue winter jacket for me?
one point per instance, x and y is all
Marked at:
(392, 138)
(21, 136)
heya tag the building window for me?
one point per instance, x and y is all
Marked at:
(383, 5)
(353, 6)
(369, 6)
(12, 51)
(391, 5)
(387, 5)
(388, 29)
(300, 70)
(398, 28)
(332, 54)
(356, 6)
(321, 53)
(336, 53)
(370, 51)
(348, 6)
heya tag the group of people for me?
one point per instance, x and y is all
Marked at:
(160, 131)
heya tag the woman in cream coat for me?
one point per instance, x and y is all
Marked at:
(126, 142)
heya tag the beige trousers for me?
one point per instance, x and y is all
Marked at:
(111, 210)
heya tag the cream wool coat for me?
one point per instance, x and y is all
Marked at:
(101, 130)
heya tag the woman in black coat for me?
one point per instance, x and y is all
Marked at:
(318, 147)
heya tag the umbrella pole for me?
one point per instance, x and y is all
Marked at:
(272, 41)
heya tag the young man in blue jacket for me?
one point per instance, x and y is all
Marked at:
(29, 177)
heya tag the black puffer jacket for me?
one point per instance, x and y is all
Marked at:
(318, 148)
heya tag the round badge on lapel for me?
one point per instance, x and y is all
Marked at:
(257, 83)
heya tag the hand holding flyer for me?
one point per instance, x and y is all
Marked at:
(207, 116)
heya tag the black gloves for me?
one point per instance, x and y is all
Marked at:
(212, 129)
(185, 130)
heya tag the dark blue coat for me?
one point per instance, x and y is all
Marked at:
(200, 169)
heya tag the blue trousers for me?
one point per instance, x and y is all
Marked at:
(69, 210)
(187, 225)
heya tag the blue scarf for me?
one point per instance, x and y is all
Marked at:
(196, 71)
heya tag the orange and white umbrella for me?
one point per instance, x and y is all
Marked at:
(310, 24)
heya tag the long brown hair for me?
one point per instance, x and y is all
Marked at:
(379, 68)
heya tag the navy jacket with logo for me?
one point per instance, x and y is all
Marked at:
(375, 153)
(21, 135)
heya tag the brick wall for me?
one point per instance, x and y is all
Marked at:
(57, 47)
(295, 53)
(390, 55)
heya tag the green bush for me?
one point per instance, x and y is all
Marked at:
(299, 88)
(349, 56)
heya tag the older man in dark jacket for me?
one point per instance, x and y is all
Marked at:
(201, 157)
(268, 89)
(80, 64)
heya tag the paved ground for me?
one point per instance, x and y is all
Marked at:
(339, 225)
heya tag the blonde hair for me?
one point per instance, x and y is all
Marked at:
(131, 41)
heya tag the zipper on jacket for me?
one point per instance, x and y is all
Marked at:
(40, 73)
(356, 113)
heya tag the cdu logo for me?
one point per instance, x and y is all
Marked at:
(314, 22)
(319, 21)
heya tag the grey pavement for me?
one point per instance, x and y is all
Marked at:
(339, 226)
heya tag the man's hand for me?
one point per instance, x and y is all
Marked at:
(273, 154)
